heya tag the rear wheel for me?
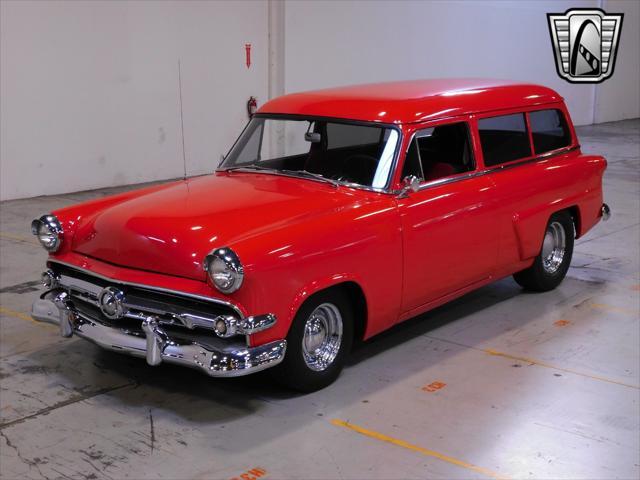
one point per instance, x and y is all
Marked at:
(318, 342)
(551, 265)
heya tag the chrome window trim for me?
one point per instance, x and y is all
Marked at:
(533, 159)
(150, 287)
(495, 169)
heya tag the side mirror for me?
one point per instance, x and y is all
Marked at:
(313, 137)
(410, 183)
(221, 159)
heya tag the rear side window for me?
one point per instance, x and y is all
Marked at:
(504, 138)
(549, 130)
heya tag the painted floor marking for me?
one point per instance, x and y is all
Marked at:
(434, 387)
(539, 363)
(562, 323)
(611, 308)
(19, 238)
(561, 369)
(252, 474)
(22, 316)
(424, 451)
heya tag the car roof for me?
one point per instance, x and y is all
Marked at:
(412, 101)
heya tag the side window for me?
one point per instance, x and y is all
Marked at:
(504, 138)
(549, 130)
(440, 152)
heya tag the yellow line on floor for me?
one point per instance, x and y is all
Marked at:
(416, 448)
(555, 367)
(22, 316)
(611, 308)
(18, 238)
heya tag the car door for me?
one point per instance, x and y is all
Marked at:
(449, 226)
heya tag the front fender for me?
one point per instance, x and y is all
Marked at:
(360, 243)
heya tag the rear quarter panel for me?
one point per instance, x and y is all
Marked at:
(532, 192)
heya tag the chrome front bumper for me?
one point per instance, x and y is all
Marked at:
(155, 344)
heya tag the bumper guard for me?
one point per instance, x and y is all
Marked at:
(155, 344)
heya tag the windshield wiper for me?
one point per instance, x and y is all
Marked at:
(293, 173)
(248, 167)
(317, 176)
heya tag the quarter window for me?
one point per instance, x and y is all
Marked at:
(504, 138)
(549, 130)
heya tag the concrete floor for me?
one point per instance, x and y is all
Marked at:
(499, 384)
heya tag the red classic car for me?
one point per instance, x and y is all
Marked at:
(336, 214)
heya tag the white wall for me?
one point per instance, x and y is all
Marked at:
(619, 96)
(332, 43)
(89, 90)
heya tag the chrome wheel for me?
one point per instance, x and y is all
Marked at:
(322, 337)
(553, 247)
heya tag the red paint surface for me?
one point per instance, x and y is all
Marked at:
(298, 236)
(412, 101)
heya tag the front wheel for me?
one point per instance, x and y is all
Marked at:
(551, 265)
(318, 342)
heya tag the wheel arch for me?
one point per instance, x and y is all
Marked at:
(530, 226)
(574, 211)
(351, 288)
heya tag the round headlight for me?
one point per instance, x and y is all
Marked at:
(49, 232)
(224, 269)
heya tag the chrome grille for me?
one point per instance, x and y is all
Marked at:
(170, 309)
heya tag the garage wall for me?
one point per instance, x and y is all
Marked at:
(90, 89)
(332, 43)
(619, 96)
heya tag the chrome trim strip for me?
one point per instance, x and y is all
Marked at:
(537, 158)
(494, 169)
(156, 345)
(149, 287)
(258, 323)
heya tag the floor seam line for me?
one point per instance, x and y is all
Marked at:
(66, 403)
(539, 363)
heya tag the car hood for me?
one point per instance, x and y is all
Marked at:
(171, 230)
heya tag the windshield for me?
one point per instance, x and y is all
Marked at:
(340, 152)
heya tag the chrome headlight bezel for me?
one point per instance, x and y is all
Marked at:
(225, 270)
(49, 232)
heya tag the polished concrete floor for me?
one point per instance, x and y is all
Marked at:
(499, 384)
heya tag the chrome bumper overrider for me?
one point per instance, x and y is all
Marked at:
(156, 344)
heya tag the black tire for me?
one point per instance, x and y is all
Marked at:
(541, 276)
(294, 372)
